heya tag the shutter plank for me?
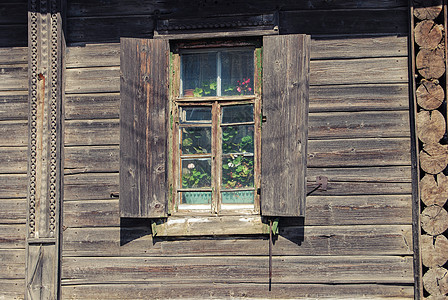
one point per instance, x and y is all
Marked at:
(284, 134)
(143, 127)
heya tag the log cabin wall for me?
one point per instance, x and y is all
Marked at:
(13, 146)
(357, 237)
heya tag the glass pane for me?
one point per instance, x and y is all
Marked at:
(196, 198)
(237, 171)
(238, 139)
(237, 77)
(195, 114)
(240, 197)
(196, 173)
(199, 74)
(238, 113)
(196, 140)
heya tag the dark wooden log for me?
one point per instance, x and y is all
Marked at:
(435, 281)
(427, 34)
(14, 35)
(434, 250)
(434, 220)
(427, 9)
(430, 95)
(431, 63)
(431, 126)
(434, 158)
(432, 191)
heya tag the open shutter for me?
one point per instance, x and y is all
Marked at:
(143, 128)
(285, 132)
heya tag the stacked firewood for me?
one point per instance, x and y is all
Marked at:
(430, 63)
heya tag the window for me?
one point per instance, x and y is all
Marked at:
(204, 121)
(216, 166)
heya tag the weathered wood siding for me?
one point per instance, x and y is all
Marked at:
(13, 164)
(356, 239)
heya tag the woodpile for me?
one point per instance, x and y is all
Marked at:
(430, 65)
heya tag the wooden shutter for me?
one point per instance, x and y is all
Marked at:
(285, 132)
(143, 128)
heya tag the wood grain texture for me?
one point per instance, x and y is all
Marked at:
(13, 211)
(284, 135)
(144, 128)
(12, 236)
(430, 95)
(431, 126)
(13, 105)
(13, 186)
(13, 55)
(12, 288)
(92, 132)
(93, 80)
(13, 264)
(237, 269)
(13, 77)
(13, 133)
(434, 220)
(13, 160)
(92, 106)
(434, 189)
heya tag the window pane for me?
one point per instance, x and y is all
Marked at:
(237, 77)
(238, 139)
(240, 197)
(238, 113)
(196, 198)
(195, 114)
(199, 74)
(196, 173)
(237, 171)
(196, 140)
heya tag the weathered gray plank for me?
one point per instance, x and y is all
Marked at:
(237, 291)
(13, 77)
(12, 236)
(359, 97)
(284, 136)
(92, 106)
(295, 269)
(359, 152)
(13, 55)
(13, 133)
(92, 132)
(12, 264)
(12, 288)
(366, 21)
(377, 174)
(13, 186)
(13, 211)
(295, 240)
(366, 70)
(81, 159)
(13, 160)
(90, 186)
(93, 55)
(13, 105)
(358, 125)
(93, 80)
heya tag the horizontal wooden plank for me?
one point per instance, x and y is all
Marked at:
(14, 211)
(362, 97)
(13, 133)
(13, 13)
(358, 124)
(12, 288)
(108, 29)
(369, 174)
(359, 152)
(93, 80)
(294, 240)
(92, 132)
(12, 236)
(13, 55)
(13, 186)
(295, 269)
(14, 35)
(352, 71)
(82, 159)
(366, 21)
(13, 105)
(13, 77)
(237, 291)
(92, 106)
(13, 160)
(93, 55)
(13, 264)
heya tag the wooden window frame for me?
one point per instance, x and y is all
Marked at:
(216, 103)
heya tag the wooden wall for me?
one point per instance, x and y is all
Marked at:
(13, 147)
(357, 237)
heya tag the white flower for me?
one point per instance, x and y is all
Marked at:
(190, 166)
(230, 165)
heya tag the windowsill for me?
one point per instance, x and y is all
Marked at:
(211, 225)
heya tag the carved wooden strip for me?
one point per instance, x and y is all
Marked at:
(14, 211)
(121, 291)
(367, 70)
(14, 105)
(13, 186)
(13, 265)
(13, 77)
(13, 160)
(13, 133)
(289, 269)
(12, 236)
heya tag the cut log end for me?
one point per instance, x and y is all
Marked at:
(427, 34)
(435, 281)
(432, 191)
(431, 63)
(427, 9)
(430, 95)
(434, 220)
(430, 126)
(434, 250)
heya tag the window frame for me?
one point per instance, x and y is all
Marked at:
(177, 100)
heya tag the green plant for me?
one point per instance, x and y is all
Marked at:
(238, 171)
(195, 176)
(208, 89)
